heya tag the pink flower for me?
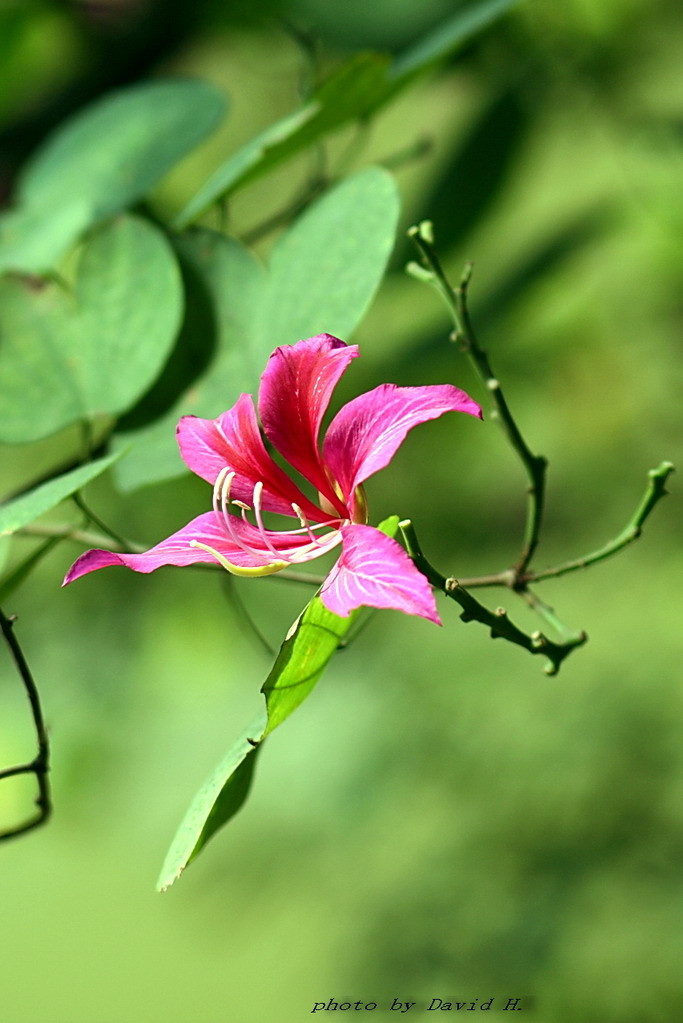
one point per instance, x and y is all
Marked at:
(363, 437)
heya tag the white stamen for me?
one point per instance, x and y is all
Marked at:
(223, 484)
(306, 527)
(258, 490)
(221, 506)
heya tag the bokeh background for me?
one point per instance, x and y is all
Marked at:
(440, 818)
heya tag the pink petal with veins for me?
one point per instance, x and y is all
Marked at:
(233, 441)
(208, 530)
(366, 433)
(375, 571)
(295, 391)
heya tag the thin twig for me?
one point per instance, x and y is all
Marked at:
(40, 765)
(314, 187)
(90, 515)
(655, 491)
(241, 609)
(86, 537)
(19, 572)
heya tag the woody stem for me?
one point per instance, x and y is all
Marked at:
(535, 466)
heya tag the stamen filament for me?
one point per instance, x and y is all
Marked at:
(221, 506)
(222, 488)
(258, 489)
(304, 522)
(268, 569)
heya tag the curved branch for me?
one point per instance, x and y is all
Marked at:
(497, 621)
(40, 765)
(655, 491)
(535, 466)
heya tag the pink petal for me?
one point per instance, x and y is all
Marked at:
(233, 440)
(177, 549)
(375, 571)
(366, 433)
(295, 392)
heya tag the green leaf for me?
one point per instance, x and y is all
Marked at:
(346, 95)
(324, 272)
(307, 650)
(260, 151)
(356, 90)
(65, 358)
(303, 657)
(234, 282)
(33, 239)
(36, 502)
(101, 161)
(219, 799)
(447, 37)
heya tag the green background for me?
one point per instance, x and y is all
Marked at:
(440, 819)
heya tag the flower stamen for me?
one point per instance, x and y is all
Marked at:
(305, 524)
(221, 493)
(269, 569)
(258, 490)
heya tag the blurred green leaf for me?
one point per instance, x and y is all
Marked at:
(347, 94)
(33, 239)
(264, 151)
(476, 173)
(453, 33)
(324, 272)
(22, 571)
(68, 357)
(36, 502)
(307, 650)
(355, 91)
(102, 160)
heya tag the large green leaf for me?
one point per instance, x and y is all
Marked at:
(67, 357)
(326, 269)
(323, 274)
(355, 91)
(233, 281)
(99, 162)
(307, 650)
(36, 502)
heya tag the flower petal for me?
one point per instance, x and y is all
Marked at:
(366, 433)
(207, 531)
(233, 440)
(375, 571)
(295, 391)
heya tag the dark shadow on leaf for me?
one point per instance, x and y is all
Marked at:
(192, 354)
(476, 173)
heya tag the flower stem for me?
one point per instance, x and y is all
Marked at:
(535, 466)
